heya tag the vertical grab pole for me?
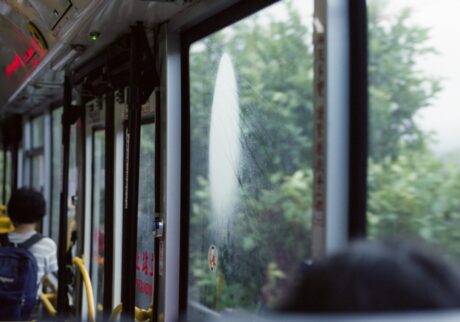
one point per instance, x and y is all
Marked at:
(109, 206)
(131, 204)
(62, 303)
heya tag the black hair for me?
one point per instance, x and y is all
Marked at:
(376, 276)
(26, 206)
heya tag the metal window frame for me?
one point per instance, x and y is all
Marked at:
(338, 228)
(132, 197)
(217, 22)
(62, 300)
(109, 207)
(359, 112)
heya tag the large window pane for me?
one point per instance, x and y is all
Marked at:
(414, 159)
(145, 256)
(251, 157)
(98, 230)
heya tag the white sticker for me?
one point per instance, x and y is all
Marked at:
(213, 258)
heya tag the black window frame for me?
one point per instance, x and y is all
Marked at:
(358, 119)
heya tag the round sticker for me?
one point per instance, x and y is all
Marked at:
(213, 258)
(37, 35)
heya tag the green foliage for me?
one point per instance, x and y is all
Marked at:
(416, 195)
(411, 191)
(397, 88)
(274, 63)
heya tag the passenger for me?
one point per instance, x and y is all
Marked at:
(376, 276)
(26, 208)
(25, 256)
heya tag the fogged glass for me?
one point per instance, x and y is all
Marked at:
(98, 230)
(38, 172)
(251, 94)
(414, 97)
(37, 132)
(73, 174)
(144, 252)
(56, 172)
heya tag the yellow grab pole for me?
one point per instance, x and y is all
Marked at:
(88, 287)
(45, 298)
(140, 314)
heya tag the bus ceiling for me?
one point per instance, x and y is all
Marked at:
(39, 38)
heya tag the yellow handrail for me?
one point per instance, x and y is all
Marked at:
(89, 290)
(6, 225)
(46, 300)
(140, 314)
(116, 312)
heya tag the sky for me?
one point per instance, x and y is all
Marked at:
(443, 116)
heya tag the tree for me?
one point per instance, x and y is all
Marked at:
(274, 63)
(397, 88)
(270, 228)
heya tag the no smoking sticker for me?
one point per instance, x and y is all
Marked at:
(213, 258)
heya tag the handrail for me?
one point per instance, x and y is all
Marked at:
(140, 314)
(46, 300)
(6, 225)
(89, 290)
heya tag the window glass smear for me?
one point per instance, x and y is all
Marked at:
(414, 155)
(251, 93)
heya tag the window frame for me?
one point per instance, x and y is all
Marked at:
(221, 20)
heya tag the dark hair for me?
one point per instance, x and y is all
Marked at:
(26, 206)
(376, 276)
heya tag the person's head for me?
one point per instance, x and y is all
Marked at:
(376, 276)
(26, 206)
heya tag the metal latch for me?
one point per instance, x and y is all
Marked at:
(158, 227)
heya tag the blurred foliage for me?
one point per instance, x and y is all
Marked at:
(411, 191)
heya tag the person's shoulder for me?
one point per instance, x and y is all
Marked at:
(47, 242)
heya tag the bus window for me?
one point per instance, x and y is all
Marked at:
(144, 252)
(414, 152)
(6, 190)
(251, 107)
(56, 172)
(98, 206)
(36, 154)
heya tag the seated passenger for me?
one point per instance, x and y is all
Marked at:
(376, 276)
(25, 208)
